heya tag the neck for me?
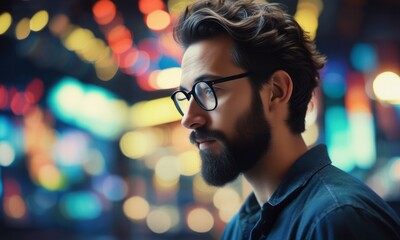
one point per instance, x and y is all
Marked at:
(266, 176)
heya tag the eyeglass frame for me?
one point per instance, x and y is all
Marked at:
(189, 94)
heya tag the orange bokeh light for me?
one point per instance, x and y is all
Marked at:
(104, 11)
(158, 20)
(119, 39)
(148, 6)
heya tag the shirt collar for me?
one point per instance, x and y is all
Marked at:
(300, 173)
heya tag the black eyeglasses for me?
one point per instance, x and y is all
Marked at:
(203, 93)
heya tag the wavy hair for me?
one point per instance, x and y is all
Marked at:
(266, 38)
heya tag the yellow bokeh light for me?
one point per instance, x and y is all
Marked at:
(154, 112)
(200, 220)
(308, 20)
(226, 214)
(315, 6)
(22, 29)
(189, 163)
(226, 198)
(168, 78)
(167, 169)
(166, 185)
(159, 221)
(202, 191)
(78, 39)
(386, 87)
(134, 144)
(106, 69)
(95, 50)
(5, 22)
(50, 177)
(136, 208)
(39, 20)
(176, 7)
(158, 20)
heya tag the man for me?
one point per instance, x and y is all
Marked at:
(248, 73)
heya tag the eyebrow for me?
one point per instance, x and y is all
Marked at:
(201, 78)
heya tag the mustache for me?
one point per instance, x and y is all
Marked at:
(205, 134)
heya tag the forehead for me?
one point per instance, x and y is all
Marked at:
(212, 57)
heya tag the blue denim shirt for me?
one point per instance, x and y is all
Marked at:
(316, 201)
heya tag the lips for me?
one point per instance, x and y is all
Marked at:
(201, 144)
(202, 138)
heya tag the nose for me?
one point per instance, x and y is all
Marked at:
(194, 117)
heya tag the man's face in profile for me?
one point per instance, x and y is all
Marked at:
(234, 136)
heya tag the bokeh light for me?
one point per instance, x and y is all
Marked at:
(158, 20)
(5, 22)
(39, 20)
(7, 155)
(364, 58)
(159, 221)
(386, 87)
(91, 144)
(136, 208)
(200, 220)
(104, 11)
(22, 29)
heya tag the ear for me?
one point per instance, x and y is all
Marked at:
(282, 87)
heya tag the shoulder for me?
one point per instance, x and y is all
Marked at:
(232, 229)
(344, 206)
(348, 221)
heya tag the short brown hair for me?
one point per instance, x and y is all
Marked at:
(266, 38)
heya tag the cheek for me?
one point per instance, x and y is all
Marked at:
(229, 110)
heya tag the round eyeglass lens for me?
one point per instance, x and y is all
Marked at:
(182, 101)
(205, 95)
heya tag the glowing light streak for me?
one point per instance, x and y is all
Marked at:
(154, 112)
(338, 139)
(362, 139)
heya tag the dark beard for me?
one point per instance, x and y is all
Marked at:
(240, 154)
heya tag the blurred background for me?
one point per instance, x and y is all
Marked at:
(90, 143)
